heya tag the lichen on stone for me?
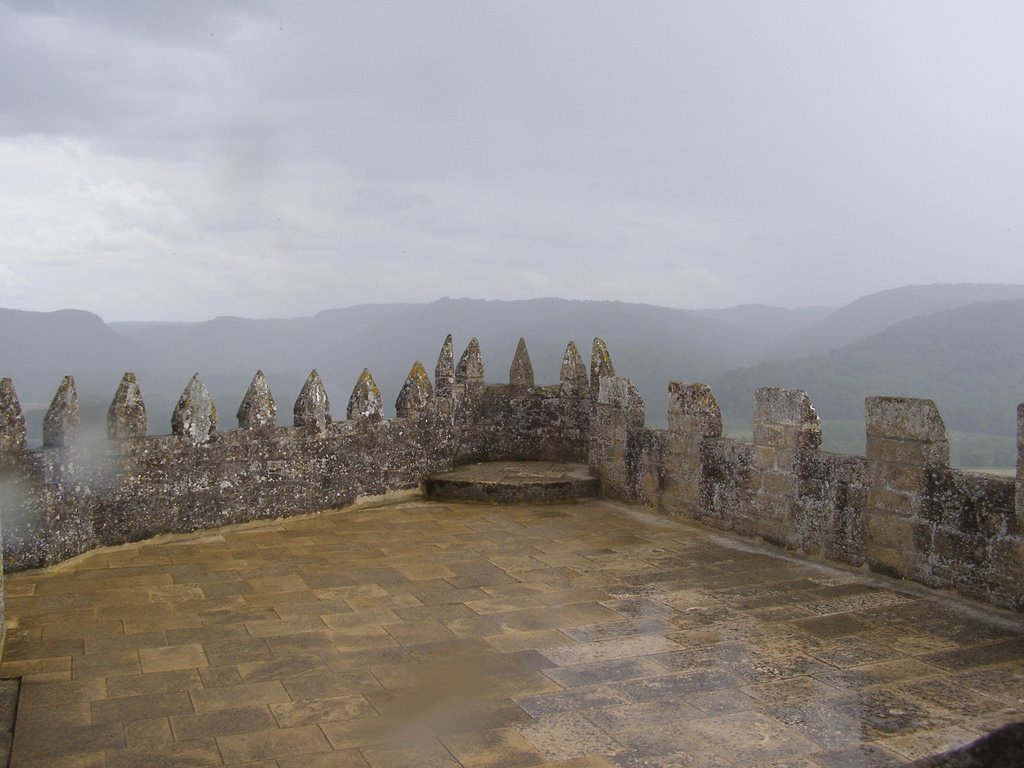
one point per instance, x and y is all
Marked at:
(520, 374)
(126, 417)
(470, 369)
(195, 416)
(416, 393)
(12, 420)
(600, 365)
(444, 371)
(365, 402)
(257, 410)
(312, 406)
(573, 374)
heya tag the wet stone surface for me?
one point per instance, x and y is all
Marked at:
(514, 482)
(576, 635)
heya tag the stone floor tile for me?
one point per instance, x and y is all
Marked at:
(246, 694)
(537, 639)
(47, 694)
(312, 711)
(499, 748)
(607, 650)
(573, 700)
(105, 664)
(67, 740)
(423, 753)
(174, 755)
(164, 658)
(221, 722)
(142, 707)
(581, 675)
(748, 737)
(271, 744)
(149, 734)
(567, 736)
(876, 674)
(346, 758)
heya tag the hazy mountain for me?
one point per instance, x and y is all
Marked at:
(970, 360)
(768, 322)
(873, 313)
(652, 345)
(38, 348)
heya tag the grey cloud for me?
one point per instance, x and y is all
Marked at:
(797, 153)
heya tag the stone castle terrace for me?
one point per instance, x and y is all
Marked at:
(420, 633)
(185, 599)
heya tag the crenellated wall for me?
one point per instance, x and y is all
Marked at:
(69, 497)
(900, 510)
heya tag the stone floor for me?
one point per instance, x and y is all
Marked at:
(422, 634)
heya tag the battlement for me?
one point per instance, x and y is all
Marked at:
(900, 510)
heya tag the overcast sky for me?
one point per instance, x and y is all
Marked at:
(184, 160)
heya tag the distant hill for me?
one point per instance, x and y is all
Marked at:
(970, 360)
(968, 356)
(768, 322)
(650, 344)
(38, 348)
(873, 313)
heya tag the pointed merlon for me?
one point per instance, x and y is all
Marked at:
(520, 374)
(60, 427)
(257, 410)
(12, 420)
(573, 376)
(444, 371)
(126, 417)
(195, 416)
(313, 407)
(365, 402)
(600, 365)
(416, 393)
(471, 365)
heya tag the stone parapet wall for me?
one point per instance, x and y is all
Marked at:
(900, 510)
(69, 497)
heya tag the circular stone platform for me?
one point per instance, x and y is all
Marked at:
(514, 482)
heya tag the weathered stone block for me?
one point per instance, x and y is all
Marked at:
(257, 410)
(126, 417)
(769, 435)
(470, 370)
(365, 401)
(60, 426)
(904, 418)
(444, 370)
(312, 407)
(195, 416)
(600, 365)
(886, 502)
(573, 374)
(1008, 565)
(780, 484)
(693, 407)
(12, 420)
(776, 408)
(416, 394)
(889, 544)
(520, 373)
